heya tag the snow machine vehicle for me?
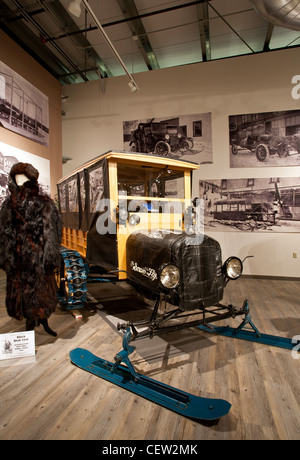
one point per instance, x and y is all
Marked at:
(131, 216)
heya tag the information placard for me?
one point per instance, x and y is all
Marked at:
(17, 344)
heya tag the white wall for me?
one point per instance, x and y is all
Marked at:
(248, 84)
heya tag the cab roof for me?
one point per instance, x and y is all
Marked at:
(137, 158)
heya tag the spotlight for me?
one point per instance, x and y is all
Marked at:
(74, 8)
(132, 86)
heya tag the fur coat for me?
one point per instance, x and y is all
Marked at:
(30, 234)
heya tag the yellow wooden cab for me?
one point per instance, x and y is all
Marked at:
(106, 199)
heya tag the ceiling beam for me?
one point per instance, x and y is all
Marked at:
(268, 37)
(14, 22)
(65, 21)
(203, 18)
(231, 28)
(138, 31)
(132, 18)
(31, 43)
(41, 31)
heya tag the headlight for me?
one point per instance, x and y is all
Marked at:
(169, 276)
(167, 136)
(134, 219)
(233, 268)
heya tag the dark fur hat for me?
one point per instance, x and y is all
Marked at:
(24, 168)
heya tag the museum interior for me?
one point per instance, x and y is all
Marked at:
(150, 222)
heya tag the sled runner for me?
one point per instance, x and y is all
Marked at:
(130, 217)
(186, 404)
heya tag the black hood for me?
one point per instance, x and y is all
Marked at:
(24, 168)
(31, 186)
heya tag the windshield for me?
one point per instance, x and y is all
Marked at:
(148, 181)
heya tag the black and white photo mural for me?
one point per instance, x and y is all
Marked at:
(265, 139)
(255, 205)
(23, 108)
(9, 156)
(184, 136)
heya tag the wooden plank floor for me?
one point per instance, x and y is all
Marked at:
(45, 397)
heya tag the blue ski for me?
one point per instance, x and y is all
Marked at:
(248, 331)
(253, 336)
(186, 404)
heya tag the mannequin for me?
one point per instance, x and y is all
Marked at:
(21, 179)
(30, 234)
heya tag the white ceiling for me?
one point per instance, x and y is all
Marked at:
(147, 34)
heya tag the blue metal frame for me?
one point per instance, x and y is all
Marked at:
(75, 269)
(253, 335)
(178, 401)
(183, 403)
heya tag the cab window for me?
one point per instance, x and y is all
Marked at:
(148, 181)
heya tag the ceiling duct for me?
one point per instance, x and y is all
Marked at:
(283, 13)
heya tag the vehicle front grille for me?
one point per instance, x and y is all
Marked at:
(201, 270)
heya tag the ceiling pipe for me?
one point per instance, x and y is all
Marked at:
(132, 84)
(133, 18)
(283, 13)
(43, 35)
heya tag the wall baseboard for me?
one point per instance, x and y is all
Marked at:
(267, 277)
